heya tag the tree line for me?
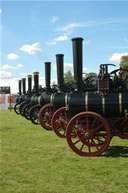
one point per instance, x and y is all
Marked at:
(68, 77)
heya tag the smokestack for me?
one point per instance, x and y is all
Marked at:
(24, 85)
(19, 87)
(77, 62)
(36, 81)
(60, 71)
(29, 84)
(47, 74)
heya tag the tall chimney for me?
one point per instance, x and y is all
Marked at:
(19, 87)
(29, 84)
(60, 71)
(77, 62)
(24, 85)
(47, 74)
(36, 81)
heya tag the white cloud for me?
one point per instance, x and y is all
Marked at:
(5, 75)
(61, 38)
(20, 65)
(54, 19)
(0, 11)
(69, 27)
(9, 67)
(51, 43)
(13, 56)
(23, 74)
(67, 67)
(117, 56)
(31, 49)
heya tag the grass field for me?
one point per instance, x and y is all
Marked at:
(37, 161)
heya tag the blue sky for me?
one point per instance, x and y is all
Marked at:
(33, 32)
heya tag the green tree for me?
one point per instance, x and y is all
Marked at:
(124, 64)
(90, 74)
(68, 77)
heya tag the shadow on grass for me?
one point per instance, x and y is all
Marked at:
(116, 151)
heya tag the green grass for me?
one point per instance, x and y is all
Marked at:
(37, 161)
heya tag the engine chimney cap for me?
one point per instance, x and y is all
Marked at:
(29, 76)
(35, 73)
(19, 80)
(23, 78)
(59, 54)
(77, 38)
(47, 62)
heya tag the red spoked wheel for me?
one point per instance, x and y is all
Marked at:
(88, 134)
(59, 122)
(45, 116)
(121, 125)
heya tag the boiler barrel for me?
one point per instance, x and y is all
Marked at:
(58, 100)
(111, 105)
(44, 98)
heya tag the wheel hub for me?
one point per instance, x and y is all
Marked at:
(87, 134)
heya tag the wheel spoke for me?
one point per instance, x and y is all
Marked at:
(93, 123)
(97, 128)
(76, 141)
(82, 147)
(87, 122)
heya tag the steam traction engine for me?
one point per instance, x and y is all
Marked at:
(47, 111)
(91, 118)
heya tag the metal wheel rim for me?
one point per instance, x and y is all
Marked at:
(59, 122)
(45, 117)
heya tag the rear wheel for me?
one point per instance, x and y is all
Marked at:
(88, 134)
